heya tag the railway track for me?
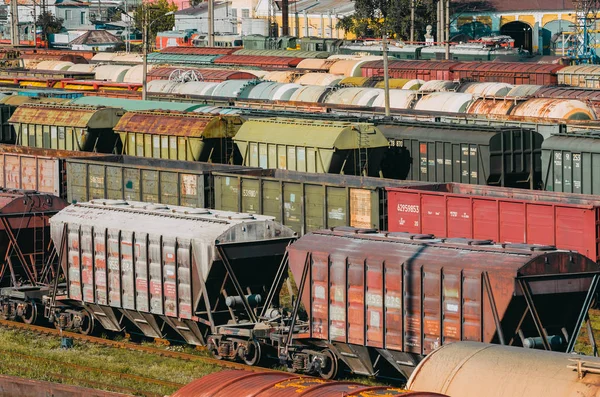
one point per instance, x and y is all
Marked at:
(132, 346)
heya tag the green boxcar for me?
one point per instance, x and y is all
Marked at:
(140, 179)
(180, 136)
(307, 202)
(571, 163)
(65, 127)
(312, 146)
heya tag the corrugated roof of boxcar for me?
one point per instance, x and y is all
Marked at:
(65, 115)
(508, 67)
(580, 143)
(18, 100)
(199, 50)
(134, 104)
(457, 253)
(269, 384)
(158, 57)
(178, 124)
(320, 79)
(568, 92)
(439, 132)
(210, 75)
(263, 61)
(524, 90)
(284, 53)
(301, 132)
(412, 65)
(580, 69)
(157, 219)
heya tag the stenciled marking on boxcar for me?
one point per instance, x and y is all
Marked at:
(249, 193)
(374, 300)
(337, 213)
(129, 184)
(189, 185)
(97, 180)
(408, 208)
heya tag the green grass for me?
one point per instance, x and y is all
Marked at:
(95, 356)
(583, 344)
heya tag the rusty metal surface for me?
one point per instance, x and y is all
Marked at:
(209, 75)
(550, 108)
(200, 50)
(11, 386)
(194, 242)
(22, 167)
(265, 62)
(63, 115)
(470, 369)
(411, 293)
(179, 124)
(492, 106)
(244, 383)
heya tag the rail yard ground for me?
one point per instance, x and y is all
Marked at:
(40, 357)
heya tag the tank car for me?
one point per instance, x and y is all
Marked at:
(507, 370)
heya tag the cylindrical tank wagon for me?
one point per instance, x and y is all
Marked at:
(271, 384)
(469, 369)
(164, 269)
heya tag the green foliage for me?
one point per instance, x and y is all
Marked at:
(157, 21)
(49, 24)
(373, 17)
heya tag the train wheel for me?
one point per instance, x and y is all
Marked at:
(87, 323)
(253, 353)
(331, 367)
(31, 313)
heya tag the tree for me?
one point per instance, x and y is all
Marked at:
(49, 24)
(372, 17)
(157, 20)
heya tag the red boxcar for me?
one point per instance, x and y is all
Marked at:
(567, 221)
(263, 62)
(507, 72)
(424, 70)
(210, 75)
(200, 50)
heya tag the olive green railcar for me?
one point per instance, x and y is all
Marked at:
(63, 127)
(180, 136)
(312, 146)
(142, 179)
(306, 202)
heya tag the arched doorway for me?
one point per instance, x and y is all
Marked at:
(552, 37)
(520, 32)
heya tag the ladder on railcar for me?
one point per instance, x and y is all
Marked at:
(363, 155)
(229, 143)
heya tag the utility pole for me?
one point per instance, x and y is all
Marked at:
(14, 23)
(386, 77)
(447, 29)
(211, 23)
(438, 37)
(145, 51)
(285, 18)
(412, 21)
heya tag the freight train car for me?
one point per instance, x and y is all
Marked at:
(388, 299)
(501, 156)
(168, 271)
(25, 273)
(84, 128)
(312, 146)
(450, 370)
(180, 136)
(264, 384)
(566, 221)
